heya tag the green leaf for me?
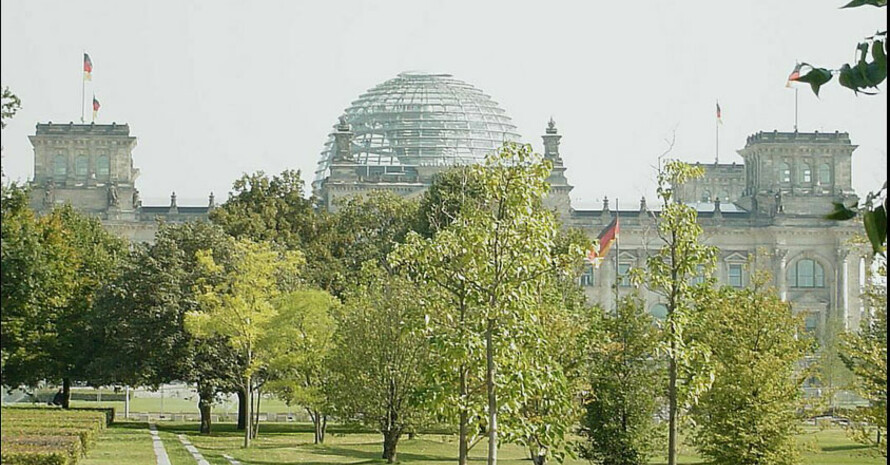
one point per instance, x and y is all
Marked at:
(840, 212)
(858, 3)
(876, 228)
(816, 78)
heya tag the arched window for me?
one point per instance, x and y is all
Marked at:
(659, 311)
(60, 167)
(785, 173)
(102, 167)
(807, 273)
(824, 174)
(81, 166)
(806, 174)
(724, 197)
(706, 196)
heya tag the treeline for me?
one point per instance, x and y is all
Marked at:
(460, 308)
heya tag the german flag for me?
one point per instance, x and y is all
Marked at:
(95, 107)
(795, 75)
(87, 67)
(604, 242)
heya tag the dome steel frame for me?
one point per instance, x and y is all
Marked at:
(422, 119)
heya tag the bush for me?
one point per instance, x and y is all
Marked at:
(28, 444)
(50, 436)
(14, 455)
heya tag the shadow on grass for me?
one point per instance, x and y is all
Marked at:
(847, 447)
(360, 455)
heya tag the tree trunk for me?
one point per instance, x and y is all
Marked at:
(390, 441)
(66, 393)
(242, 410)
(492, 395)
(247, 426)
(462, 428)
(205, 402)
(672, 406)
(320, 423)
(256, 418)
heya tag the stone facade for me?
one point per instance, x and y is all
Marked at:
(758, 217)
(90, 166)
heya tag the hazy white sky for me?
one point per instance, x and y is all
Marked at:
(216, 88)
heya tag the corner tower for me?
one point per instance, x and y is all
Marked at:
(89, 166)
(795, 173)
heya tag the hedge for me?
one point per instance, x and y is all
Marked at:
(50, 436)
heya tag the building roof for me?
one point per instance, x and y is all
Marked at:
(422, 119)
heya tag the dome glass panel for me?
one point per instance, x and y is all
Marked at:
(420, 119)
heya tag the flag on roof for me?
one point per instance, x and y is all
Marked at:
(794, 76)
(719, 114)
(87, 67)
(95, 107)
(604, 241)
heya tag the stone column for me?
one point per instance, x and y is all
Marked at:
(843, 280)
(782, 275)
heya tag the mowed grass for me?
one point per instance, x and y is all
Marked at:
(281, 443)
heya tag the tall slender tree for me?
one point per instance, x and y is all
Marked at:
(669, 272)
(492, 260)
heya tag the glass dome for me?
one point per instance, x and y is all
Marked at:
(421, 119)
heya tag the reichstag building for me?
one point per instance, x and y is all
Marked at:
(764, 214)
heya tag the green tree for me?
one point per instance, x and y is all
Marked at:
(53, 268)
(238, 304)
(748, 416)
(832, 374)
(142, 317)
(669, 272)
(491, 261)
(9, 105)
(380, 353)
(299, 340)
(36, 280)
(626, 383)
(865, 354)
(568, 325)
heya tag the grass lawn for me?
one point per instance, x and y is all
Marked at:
(292, 444)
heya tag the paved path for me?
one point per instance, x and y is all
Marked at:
(192, 450)
(231, 459)
(158, 446)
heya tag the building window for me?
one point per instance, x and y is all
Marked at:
(735, 275)
(807, 273)
(706, 196)
(102, 167)
(699, 275)
(824, 174)
(60, 167)
(587, 276)
(659, 311)
(811, 323)
(785, 173)
(724, 197)
(81, 166)
(623, 278)
(806, 174)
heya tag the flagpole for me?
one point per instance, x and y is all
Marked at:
(83, 89)
(717, 143)
(795, 109)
